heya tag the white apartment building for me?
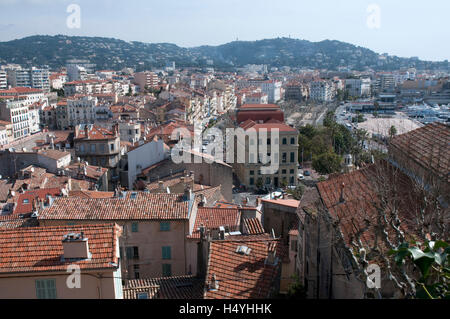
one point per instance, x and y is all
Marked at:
(15, 110)
(321, 91)
(130, 131)
(86, 110)
(273, 89)
(38, 78)
(146, 79)
(3, 80)
(358, 87)
(76, 72)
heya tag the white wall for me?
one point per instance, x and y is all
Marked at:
(144, 156)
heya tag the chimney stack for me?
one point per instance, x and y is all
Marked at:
(76, 246)
(86, 130)
(161, 186)
(271, 256)
(342, 199)
(214, 284)
(187, 194)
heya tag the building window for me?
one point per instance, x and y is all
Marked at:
(292, 157)
(167, 270)
(164, 226)
(167, 253)
(252, 173)
(46, 289)
(252, 181)
(284, 141)
(293, 140)
(134, 227)
(284, 172)
(93, 148)
(284, 159)
(112, 147)
(133, 252)
(142, 295)
(292, 171)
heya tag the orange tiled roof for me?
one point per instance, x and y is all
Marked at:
(183, 287)
(25, 200)
(283, 202)
(91, 194)
(362, 199)
(428, 146)
(94, 133)
(253, 226)
(144, 206)
(241, 276)
(40, 249)
(213, 218)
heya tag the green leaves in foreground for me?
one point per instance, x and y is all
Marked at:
(433, 262)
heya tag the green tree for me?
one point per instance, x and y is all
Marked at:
(298, 192)
(432, 261)
(327, 163)
(296, 290)
(392, 131)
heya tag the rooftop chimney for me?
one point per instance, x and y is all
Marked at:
(271, 257)
(187, 194)
(342, 199)
(161, 186)
(222, 233)
(214, 284)
(76, 246)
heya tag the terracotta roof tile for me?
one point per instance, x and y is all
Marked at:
(133, 206)
(40, 249)
(242, 276)
(184, 287)
(253, 226)
(429, 146)
(213, 218)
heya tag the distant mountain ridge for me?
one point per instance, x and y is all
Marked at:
(109, 53)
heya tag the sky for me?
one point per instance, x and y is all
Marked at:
(406, 28)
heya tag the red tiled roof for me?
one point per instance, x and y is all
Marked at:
(91, 194)
(241, 276)
(144, 206)
(213, 218)
(25, 200)
(20, 90)
(253, 226)
(40, 249)
(269, 126)
(94, 133)
(283, 202)
(428, 146)
(363, 192)
(183, 287)
(212, 195)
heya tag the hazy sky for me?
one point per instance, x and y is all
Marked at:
(406, 27)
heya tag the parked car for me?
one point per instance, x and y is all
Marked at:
(307, 173)
(301, 177)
